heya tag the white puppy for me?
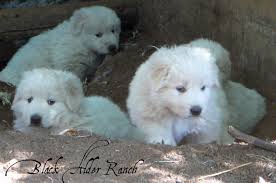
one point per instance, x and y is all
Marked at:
(54, 100)
(247, 106)
(176, 92)
(74, 45)
(221, 56)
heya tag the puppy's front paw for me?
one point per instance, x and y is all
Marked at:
(161, 140)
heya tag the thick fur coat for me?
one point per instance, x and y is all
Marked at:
(74, 45)
(247, 106)
(54, 100)
(177, 92)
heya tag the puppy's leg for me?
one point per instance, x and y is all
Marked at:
(92, 69)
(78, 69)
(84, 68)
(159, 134)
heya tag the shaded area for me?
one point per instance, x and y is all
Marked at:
(161, 163)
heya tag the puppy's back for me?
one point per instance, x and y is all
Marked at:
(247, 106)
(34, 54)
(103, 117)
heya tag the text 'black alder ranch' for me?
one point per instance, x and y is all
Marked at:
(87, 166)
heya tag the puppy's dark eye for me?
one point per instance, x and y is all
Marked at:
(51, 101)
(181, 89)
(113, 31)
(99, 34)
(203, 88)
(30, 99)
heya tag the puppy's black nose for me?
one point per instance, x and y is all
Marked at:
(196, 110)
(112, 49)
(36, 120)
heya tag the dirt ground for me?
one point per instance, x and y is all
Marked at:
(160, 163)
(185, 163)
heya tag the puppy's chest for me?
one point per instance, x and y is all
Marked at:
(184, 127)
(87, 58)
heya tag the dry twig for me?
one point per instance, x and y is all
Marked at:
(222, 172)
(251, 140)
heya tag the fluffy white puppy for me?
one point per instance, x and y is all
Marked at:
(74, 45)
(176, 92)
(247, 106)
(221, 55)
(54, 100)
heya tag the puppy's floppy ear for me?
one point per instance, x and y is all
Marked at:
(160, 74)
(77, 22)
(21, 87)
(16, 98)
(73, 93)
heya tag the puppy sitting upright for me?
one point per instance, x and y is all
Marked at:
(74, 45)
(176, 93)
(54, 100)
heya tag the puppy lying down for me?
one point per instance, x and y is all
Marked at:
(54, 100)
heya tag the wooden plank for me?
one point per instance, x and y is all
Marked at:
(21, 23)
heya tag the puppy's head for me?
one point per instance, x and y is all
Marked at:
(44, 97)
(98, 28)
(183, 79)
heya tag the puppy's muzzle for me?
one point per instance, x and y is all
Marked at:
(36, 120)
(196, 110)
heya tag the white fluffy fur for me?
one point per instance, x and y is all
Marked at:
(163, 113)
(70, 110)
(72, 45)
(221, 56)
(247, 106)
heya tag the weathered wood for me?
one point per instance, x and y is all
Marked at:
(251, 140)
(4, 1)
(7, 49)
(23, 23)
